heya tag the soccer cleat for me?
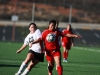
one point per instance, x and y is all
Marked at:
(65, 60)
(17, 73)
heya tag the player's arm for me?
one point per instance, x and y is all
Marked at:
(73, 35)
(35, 41)
(22, 48)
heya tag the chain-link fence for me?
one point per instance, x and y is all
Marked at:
(44, 10)
(69, 11)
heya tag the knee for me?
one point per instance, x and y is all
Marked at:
(50, 68)
(30, 66)
(58, 63)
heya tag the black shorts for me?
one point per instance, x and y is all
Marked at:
(38, 56)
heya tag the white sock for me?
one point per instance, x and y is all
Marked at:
(23, 65)
(25, 72)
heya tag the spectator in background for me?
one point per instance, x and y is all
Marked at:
(35, 54)
(67, 42)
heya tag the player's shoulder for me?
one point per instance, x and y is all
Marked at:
(46, 30)
(38, 30)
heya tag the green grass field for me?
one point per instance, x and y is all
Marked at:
(81, 61)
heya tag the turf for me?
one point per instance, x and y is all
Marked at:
(81, 61)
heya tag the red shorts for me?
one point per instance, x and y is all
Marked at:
(51, 54)
(67, 45)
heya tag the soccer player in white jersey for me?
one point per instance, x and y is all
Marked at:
(35, 54)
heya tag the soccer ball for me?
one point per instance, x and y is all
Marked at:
(50, 37)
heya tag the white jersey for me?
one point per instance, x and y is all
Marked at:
(31, 37)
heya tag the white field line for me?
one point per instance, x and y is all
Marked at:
(81, 48)
(70, 64)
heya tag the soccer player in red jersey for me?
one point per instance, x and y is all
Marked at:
(52, 49)
(67, 42)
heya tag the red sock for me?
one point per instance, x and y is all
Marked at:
(60, 70)
(64, 55)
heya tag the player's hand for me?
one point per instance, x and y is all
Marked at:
(30, 45)
(78, 36)
(18, 51)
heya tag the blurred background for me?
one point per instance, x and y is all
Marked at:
(83, 15)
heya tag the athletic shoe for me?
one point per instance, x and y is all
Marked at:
(17, 73)
(65, 60)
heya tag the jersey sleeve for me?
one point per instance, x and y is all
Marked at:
(38, 33)
(26, 41)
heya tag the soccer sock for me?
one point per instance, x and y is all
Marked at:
(23, 65)
(50, 69)
(25, 72)
(60, 70)
(64, 55)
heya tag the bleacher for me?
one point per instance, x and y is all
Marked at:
(1, 32)
(6, 33)
(89, 37)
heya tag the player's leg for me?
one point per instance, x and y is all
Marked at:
(57, 58)
(50, 60)
(68, 46)
(30, 66)
(50, 67)
(64, 51)
(66, 55)
(24, 64)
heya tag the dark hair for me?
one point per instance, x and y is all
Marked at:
(57, 22)
(70, 27)
(52, 21)
(32, 24)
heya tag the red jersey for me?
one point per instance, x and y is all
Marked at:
(66, 39)
(54, 45)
